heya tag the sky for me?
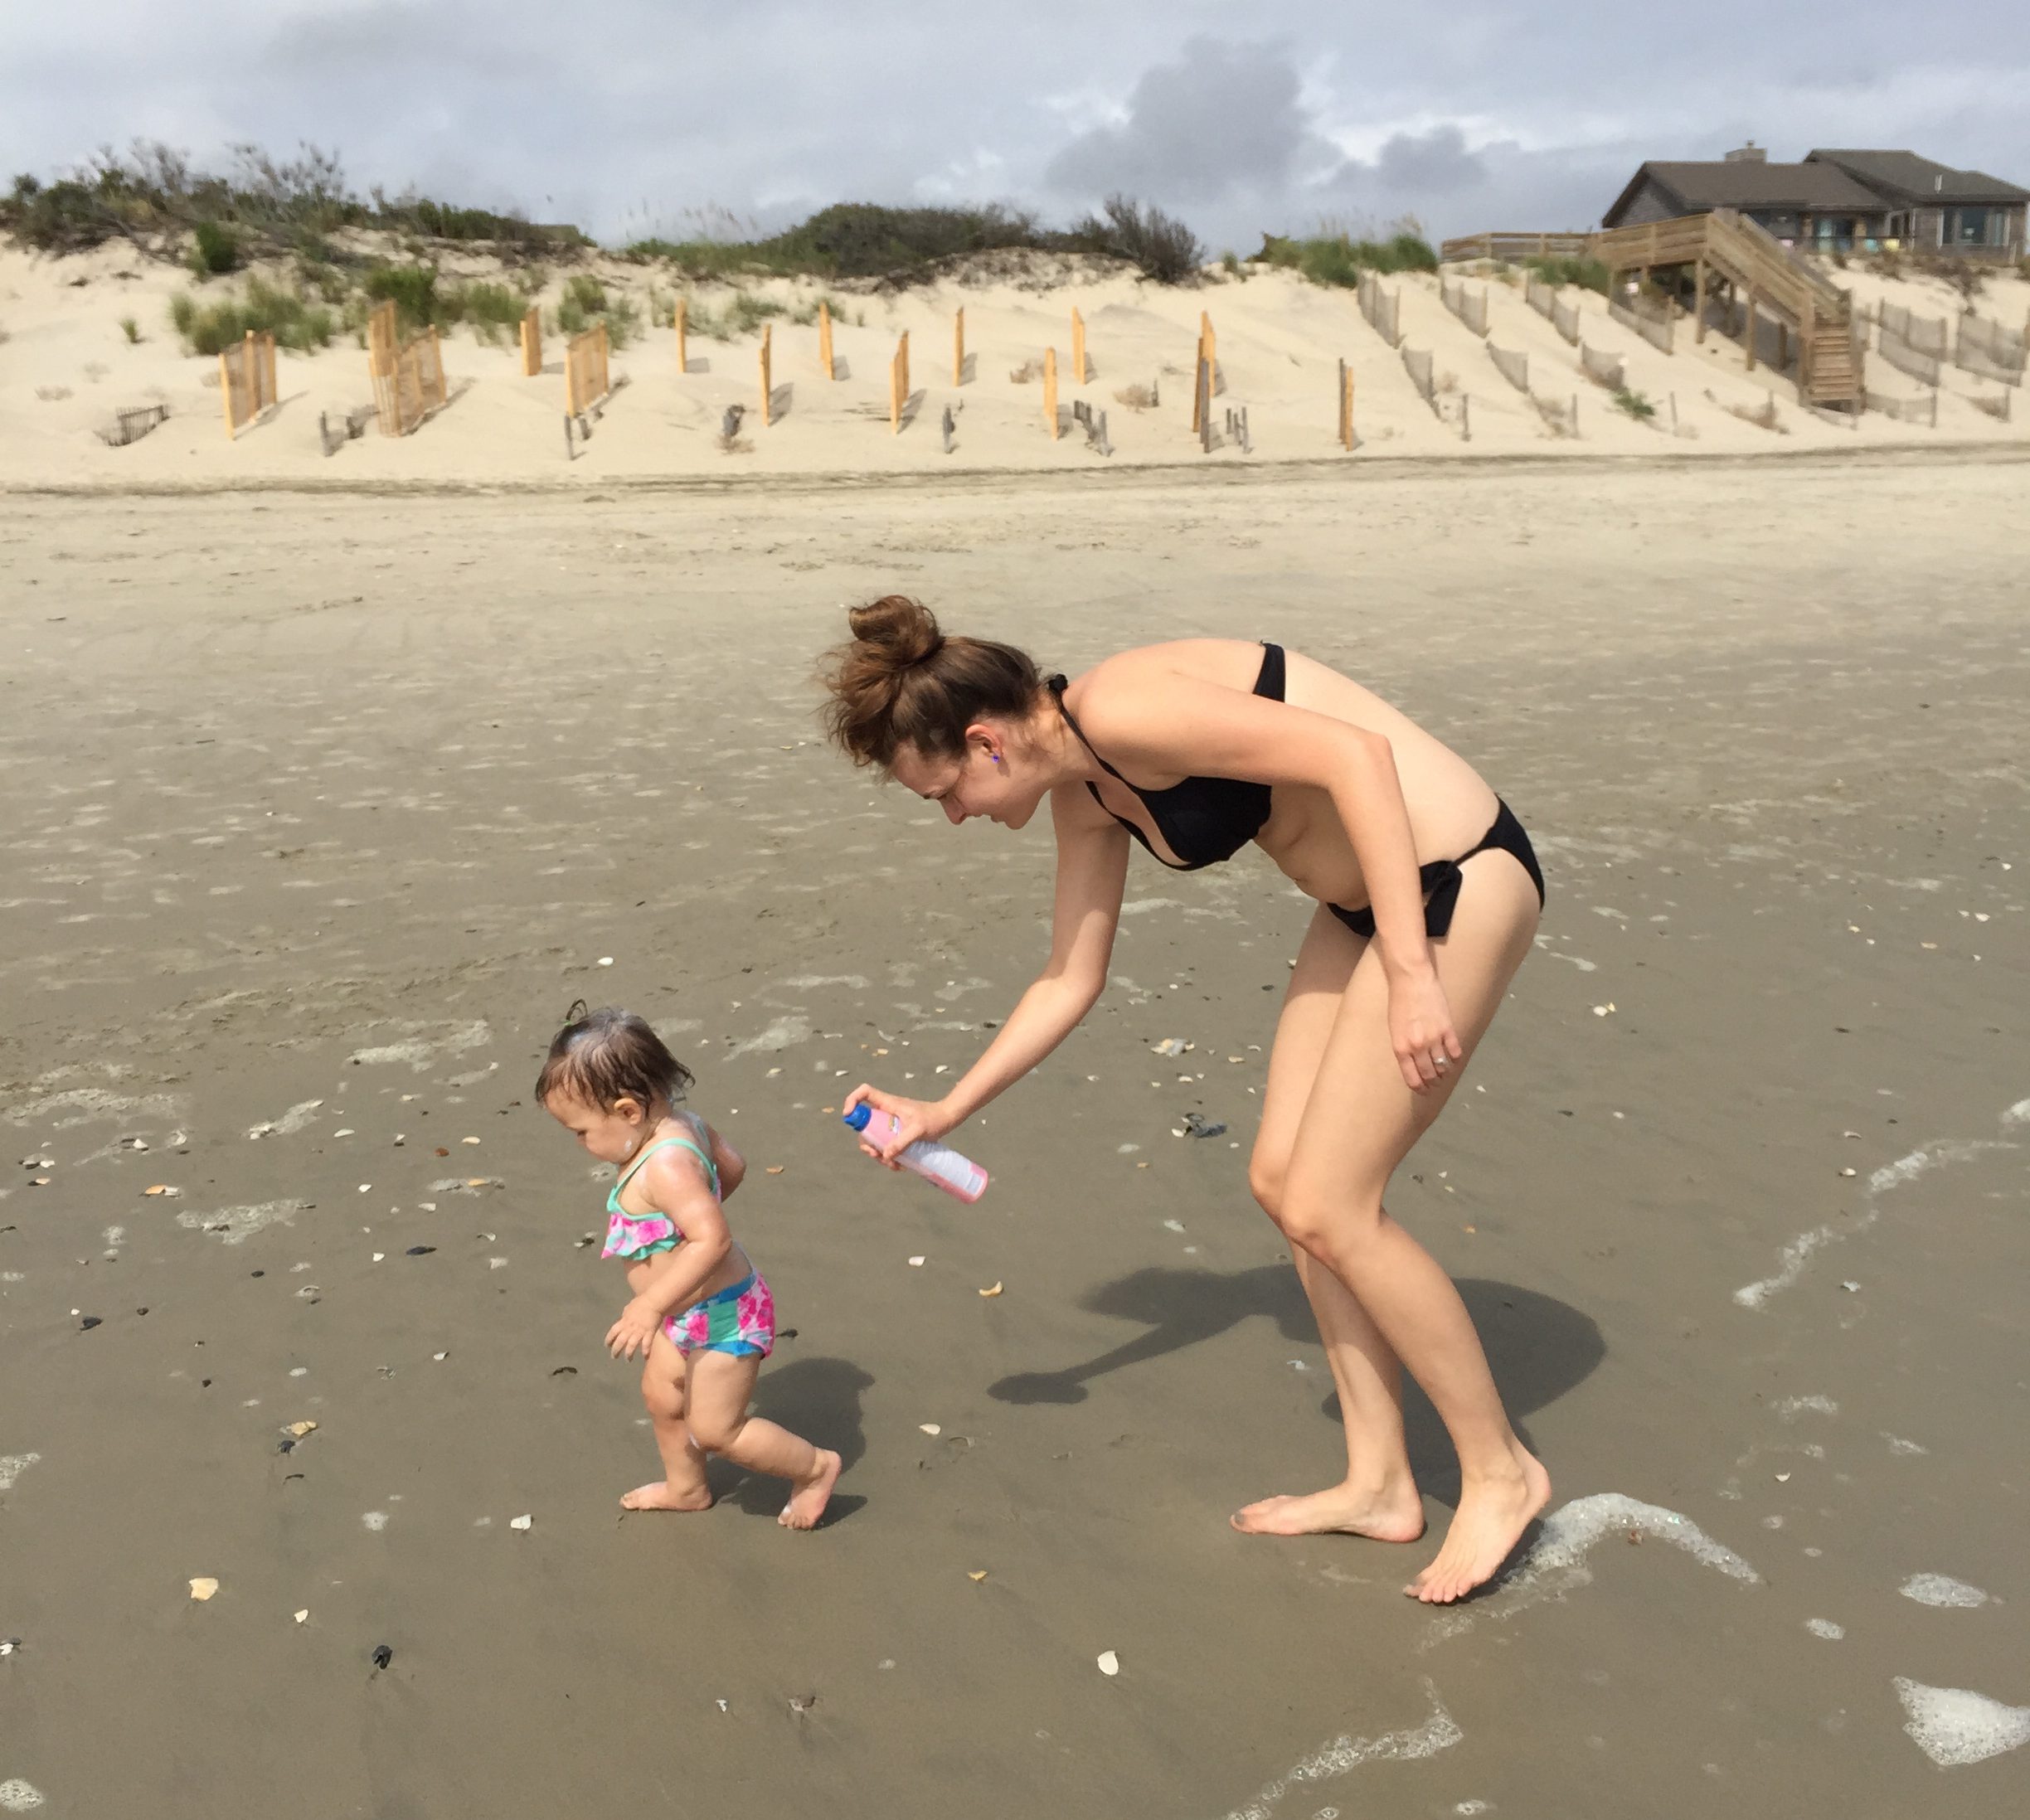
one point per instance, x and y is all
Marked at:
(628, 117)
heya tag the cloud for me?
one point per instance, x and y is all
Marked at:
(1223, 121)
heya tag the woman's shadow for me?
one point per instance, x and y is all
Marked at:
(1537, 1347)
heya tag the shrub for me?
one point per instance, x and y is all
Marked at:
(1340, 259)
(215, 249)
(1636, 403)
(130, 329)
(492, 310)
(411, 289)
(1157, 245)
(1136, 397)
(1588, 275)
(211, 329)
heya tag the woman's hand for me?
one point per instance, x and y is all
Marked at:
(640, 1321)
(913, 1120)
(1420, 1032)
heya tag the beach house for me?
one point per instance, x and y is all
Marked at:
(1837, 201)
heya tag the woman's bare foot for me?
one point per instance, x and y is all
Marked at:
(1391, 1514)
(1489, 1522)
(663, 1495)
(807, 1502)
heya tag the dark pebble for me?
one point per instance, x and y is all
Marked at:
(204, 1384)
(786, 1334)
(287, 1444)
(421, 1250)
(257, 1273)
(565, 1370)
(382, 1656)
(140, 1311)
(88, 1323)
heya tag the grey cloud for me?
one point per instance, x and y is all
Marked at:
(1222, 121)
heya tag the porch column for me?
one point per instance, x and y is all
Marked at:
(1699, 302)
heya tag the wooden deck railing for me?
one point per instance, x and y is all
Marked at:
(1516, 246)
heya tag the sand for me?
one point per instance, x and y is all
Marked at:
(320, 811)
(66, 366)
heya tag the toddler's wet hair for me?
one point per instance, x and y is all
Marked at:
(603, 1056)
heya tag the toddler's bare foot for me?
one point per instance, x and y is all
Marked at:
(663, 1495)
(1392, 1513)
(1489, 1522)
(807, 1502)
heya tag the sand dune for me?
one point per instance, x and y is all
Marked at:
(66, 366)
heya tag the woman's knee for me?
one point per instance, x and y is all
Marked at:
(1332, 1227)
(1267, 1176)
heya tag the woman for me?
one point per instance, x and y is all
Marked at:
(1428, 898)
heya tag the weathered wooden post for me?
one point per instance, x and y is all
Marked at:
(824, 338)
(1078, 347)
(1049, 390)
(898, 384)
(531, 341)
(1750, 336)
(683, 327)
(1699, 302)
(226, 392)
(768, 331)
(959, 347)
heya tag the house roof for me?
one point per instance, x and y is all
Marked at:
(1747, 183)
(1909, 178)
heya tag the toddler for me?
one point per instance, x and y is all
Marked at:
(699, 1313)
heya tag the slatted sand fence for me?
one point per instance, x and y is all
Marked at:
(1418, 364)
(1539, 293)
(1470, 307)
(1923, 334)
(408, 375)
(247, 379)
(1657, 331)
(587, 378)
(898, 384)
(1382, 309)
(1512, 365)
(1909, 410)
(1565, 319)
(2006, 347)
(531, 343)
(1906, 359)
(1602, 367)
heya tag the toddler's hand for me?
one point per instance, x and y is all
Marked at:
(639, 1322)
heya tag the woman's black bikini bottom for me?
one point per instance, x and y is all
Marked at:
(1440, 879)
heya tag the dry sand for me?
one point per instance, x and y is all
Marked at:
(319, 811)
(67, 366)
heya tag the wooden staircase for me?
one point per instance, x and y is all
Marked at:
(1759, 269)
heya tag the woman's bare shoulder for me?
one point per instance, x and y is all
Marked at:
(1130, 675)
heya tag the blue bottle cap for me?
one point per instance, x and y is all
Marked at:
(859, 1117)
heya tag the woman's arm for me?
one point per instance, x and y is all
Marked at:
(1195, 726)
(1092, 873)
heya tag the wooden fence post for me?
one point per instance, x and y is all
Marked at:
(824, 338)
(1049, 390)
(683, 330)
(226, 393)
(1751, 336)
(268, 367)
(767, 331)
(1078, 347)
(531, 343)
(958, 346)
(898, 384)
(1346, 407)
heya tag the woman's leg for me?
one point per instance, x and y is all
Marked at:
(683, 1486)
(1378, 1496)
(721, 1386)
(1358, 1124)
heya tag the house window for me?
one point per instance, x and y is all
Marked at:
(1967, 227)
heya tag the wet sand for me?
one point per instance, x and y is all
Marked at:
(319, 811)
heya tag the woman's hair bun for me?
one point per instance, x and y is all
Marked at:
(904, 631)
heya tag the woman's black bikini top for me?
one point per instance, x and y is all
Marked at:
(1204, 819)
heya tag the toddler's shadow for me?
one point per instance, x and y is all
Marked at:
(818, 1399)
